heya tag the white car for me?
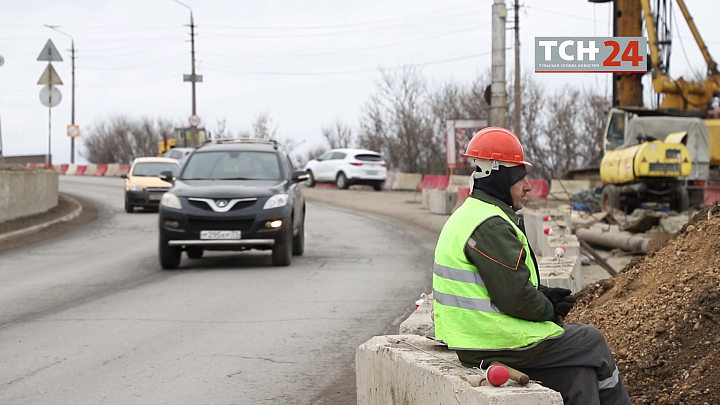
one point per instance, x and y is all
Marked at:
(346, 167)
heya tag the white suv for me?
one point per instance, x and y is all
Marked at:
(346, 167)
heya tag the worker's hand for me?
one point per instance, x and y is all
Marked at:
(564, 306)
(556, 295)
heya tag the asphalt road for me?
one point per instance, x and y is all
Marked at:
(90, 317)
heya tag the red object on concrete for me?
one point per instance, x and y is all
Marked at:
(497, 375)
(540, 189)
(101, 169)
(32, 165)
(711, 194)
(80, 170)
(548, 231)
(434, 182)
(63, 169)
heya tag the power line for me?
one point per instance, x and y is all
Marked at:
(346, 72)
(430, 13)
(354, 50)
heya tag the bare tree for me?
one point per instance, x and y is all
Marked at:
(454, 101)
(397, 121)
(561, 131)
(262, 127)
(310, 155)
(339, 136)
(221, 131)
(120, 139)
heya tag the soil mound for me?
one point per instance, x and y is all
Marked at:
(661, 317)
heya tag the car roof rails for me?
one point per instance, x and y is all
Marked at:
(272, 142)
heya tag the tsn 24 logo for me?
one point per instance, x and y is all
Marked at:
(590, 54)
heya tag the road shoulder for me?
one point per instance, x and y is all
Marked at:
(70, 214)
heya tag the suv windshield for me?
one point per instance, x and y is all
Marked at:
(153, 169)
(232, 165)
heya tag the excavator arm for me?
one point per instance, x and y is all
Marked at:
(680, 94)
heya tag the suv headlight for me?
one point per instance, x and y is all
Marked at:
(278, 200)
(170, 201)
(136, 187)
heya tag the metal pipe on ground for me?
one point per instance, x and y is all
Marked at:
(626, 242)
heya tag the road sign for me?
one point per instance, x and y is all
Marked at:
(194, 120)
(73, 131)
(50, 96)
(50, 53)
(50, 77)
(192, 78)
(2, 60)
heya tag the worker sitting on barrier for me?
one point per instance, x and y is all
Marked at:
(488, 303)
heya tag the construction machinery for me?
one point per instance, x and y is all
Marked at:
(182, 138)
(669, 154)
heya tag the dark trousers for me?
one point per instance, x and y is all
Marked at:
(579, 366)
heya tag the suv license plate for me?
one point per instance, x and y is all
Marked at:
(215, 235)
(155, 197)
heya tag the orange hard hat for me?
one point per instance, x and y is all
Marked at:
(494, 143)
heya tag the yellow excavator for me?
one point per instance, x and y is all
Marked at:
(670, 154)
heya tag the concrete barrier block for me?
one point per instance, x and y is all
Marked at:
(434, 181)
(563, 189)
(27, 192)
(441, 201)
(407, 181)
(389, 180)
(112, 170)
(425, 198)
(420, 322)
(569, 241)
(565, 272)
(414, 370)
(534, 229)
(90, 170)
(458, 181)
(101, 169)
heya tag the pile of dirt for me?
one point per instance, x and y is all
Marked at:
(661, 317)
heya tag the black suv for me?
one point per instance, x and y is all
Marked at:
(233, 194)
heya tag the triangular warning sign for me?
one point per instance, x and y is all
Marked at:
(50, 77)
(50, 53)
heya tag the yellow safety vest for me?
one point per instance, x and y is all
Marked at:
(465, 317)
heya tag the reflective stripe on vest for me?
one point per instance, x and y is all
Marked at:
(465, 317)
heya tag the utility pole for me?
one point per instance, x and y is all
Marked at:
(518, 106)
(193, 78)
(2, 158)
(498, 101)
(72, 109)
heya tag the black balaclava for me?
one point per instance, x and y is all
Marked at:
(498, 183)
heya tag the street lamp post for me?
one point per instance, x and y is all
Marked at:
(72, 110)
(193, 78)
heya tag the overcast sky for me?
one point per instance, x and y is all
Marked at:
(306, 63)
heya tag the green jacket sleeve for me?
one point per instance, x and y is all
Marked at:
(499, 256)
